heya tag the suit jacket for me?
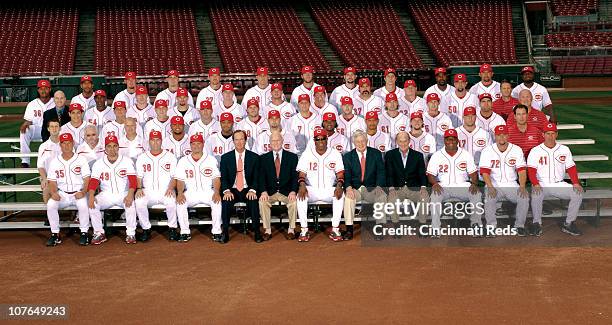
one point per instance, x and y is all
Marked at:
(228, 170)
(412, 175)
(374, 170)
(52, 114)
(288, 179)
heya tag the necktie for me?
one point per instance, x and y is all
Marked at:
(362, 166)
(277, 165)
(239, 174)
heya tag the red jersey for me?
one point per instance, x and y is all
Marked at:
(504, 108)
(525, 140)
(534, 118)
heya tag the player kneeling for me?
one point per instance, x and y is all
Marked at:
(68, 176)
(117, 180)
(198, 181)
(319, 168)
(155, 170)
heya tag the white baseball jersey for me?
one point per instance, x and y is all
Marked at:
(456, 106)
(47, 151)
(131, 148)
(320, 169)
(373, 104)
(118, 130)
(303, 128)
(444, 95)
(263, 96)
(450, 170)
(142, 116)
(347, 128)
(503, 166)
(382, 92)
(262, 143)
(35, 109)
(217, 145)
(166, 94)
(237, 111)
(129, 99)
(206, 130)
(490, 124)
(550, 163)
(91, 154)
(380, 141)
(286, 110)
(178, 148)
(343, 91)
(417, 105)
(336, 141)
(190, 116)
(87, 103)
(211, 95)
(299, 90)
(100, 118)
(393, 125)
(474, 142)
(157, 125)
(198, 176)
(78, 133)
(252, 129)
(494, 89)
(113, 177)
(156, 171)
(69, 173)
(436, 126)
(541, 98)
(327, 108)
(425, 144)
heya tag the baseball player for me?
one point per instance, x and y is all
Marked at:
(503, 106)
(76, 126)
(534, 117)
(541, 98)
(366, 102)
(177, 143)
(320, 105)
(68, 178)
(155, 172)
(348, 122)
(117, 127)
(472, 138)
(410, 102)
(486, 85)
(278, 103)
(85, 98)
(303, 123)
(436, 122)
(389, 87)
(253, 124)
(321, 178)
(334, 139)
(169, 94)
(161, 122)
(128, 95)
(221, 142)
(212, 93)
(47, 151)
(486, 118)
(306, 87)
(420, 140)
(33, 119)
(546, 167)
(228, 105)
(459, 100)
(182, 108)
(376, 138)
(347, 89)
(142, 110)
(132, 144)
(453, 174)
(501, 165)
(198, 181)
(116, 177)
(100, 114)
(206, 125)
(391, 120)
(91, 149)
(441, 88)
(262, 143)
(260, 92)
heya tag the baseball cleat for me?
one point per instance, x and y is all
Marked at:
(173, 235)
(184, 238)
(571, 229)
(348, 235)
(84, 240)
(54, 240)
(536, 229)
(146, 235)
(521, 232)
(304, 237)
(335, 236)
(478, 230)
(130, 239)
(98, 239)
(217, 238)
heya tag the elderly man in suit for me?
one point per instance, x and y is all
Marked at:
(239, 183)
(278, 182)
(364, 172)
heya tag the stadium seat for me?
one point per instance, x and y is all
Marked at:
(579, 39)
(583, 65)
(573, 7)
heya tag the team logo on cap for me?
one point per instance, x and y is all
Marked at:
(277, 86)
(206, 104)
(262, 70)
(329, 117)
(213, 71)
(350, 69)
(307, 69)
(65, 137)
(462, 166)
(85, 78)
(364, 81)
(346, 100)
(100, 92)
(303, 97)
(319, 89)
(207, 172)
(161, 103)
(173, 73)
(252, 102)
(439, 70)
(228, 87)
(130, 75)
(43, 83)
(181, 92)
(433, 96)
(226, 117)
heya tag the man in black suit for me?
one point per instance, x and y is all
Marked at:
(406, 176)
(58, 113)
(364, 172)
(278, 182)
(239, 183)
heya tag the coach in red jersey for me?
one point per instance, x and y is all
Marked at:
(524, 134)
(503, 106)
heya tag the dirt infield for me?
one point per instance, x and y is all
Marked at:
(318, 282)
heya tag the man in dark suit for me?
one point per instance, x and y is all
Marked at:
(278, 182)
(364, 172)
(58, 113)
(406, 176)
(239, 183)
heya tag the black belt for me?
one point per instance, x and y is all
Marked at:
(71, 192)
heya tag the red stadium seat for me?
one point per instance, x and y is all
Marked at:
(574, 7)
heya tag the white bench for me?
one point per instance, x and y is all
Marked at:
(14, 140)
(590, 158)
(570, 127)
(569, 142)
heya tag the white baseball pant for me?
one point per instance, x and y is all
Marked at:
(193, 198)
(561, 190)
(67, 200)
(150, 199)
(461, 193)
(105, 200)
(510, 193)
(31, 133)
(320, 194)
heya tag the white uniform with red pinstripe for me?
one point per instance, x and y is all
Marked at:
(489, 124)
(457, 105)
(436, 126)
(473, 142)
(252, 129)
(405, 107)
(179, 148)
(494, 89)
(157, 125)
(393, 125)
(380, 141)
(78, 133)
(217, 145)
(236, 110)
(425, 144)
(286, 110)
(100, 118)
(303, 129)
(347, 128)
(262, 143)
(206, 130)
(362, 107)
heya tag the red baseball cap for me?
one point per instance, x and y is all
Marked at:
(350, 69)
(485, 95)
(177, 120)
(329, 116)
(111, 139)
(226, 117)
(119, 104)
(173, 73)
(43, 83)
(409, 83)
(390, 97)
(205, 104)
(416, 115)
(486, 67)
(501, 129)
(228, 87)
(161, 103)
(389, 70)
(319, 89)
(65, 137)
(100, 92)
(262, 70)
(346, 100)
(527, 69)
(320, 132)
(303, 97)
(450, 133)
(364, 81)
(196, 138)
(130, 75)
(433, 96)
(182, 92)
(306, 69)
(141, 90)
(155, 135)
(439, 70)
(75, 106)
(85, 78)
(213, 71)
(371, 115)
(273, 113)
(550, 127)
(252, 101)
(470, 110)
(460, 77)
(276, 86)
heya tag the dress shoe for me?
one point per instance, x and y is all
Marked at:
(258, 238)
(290, 236)
(224, 238)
